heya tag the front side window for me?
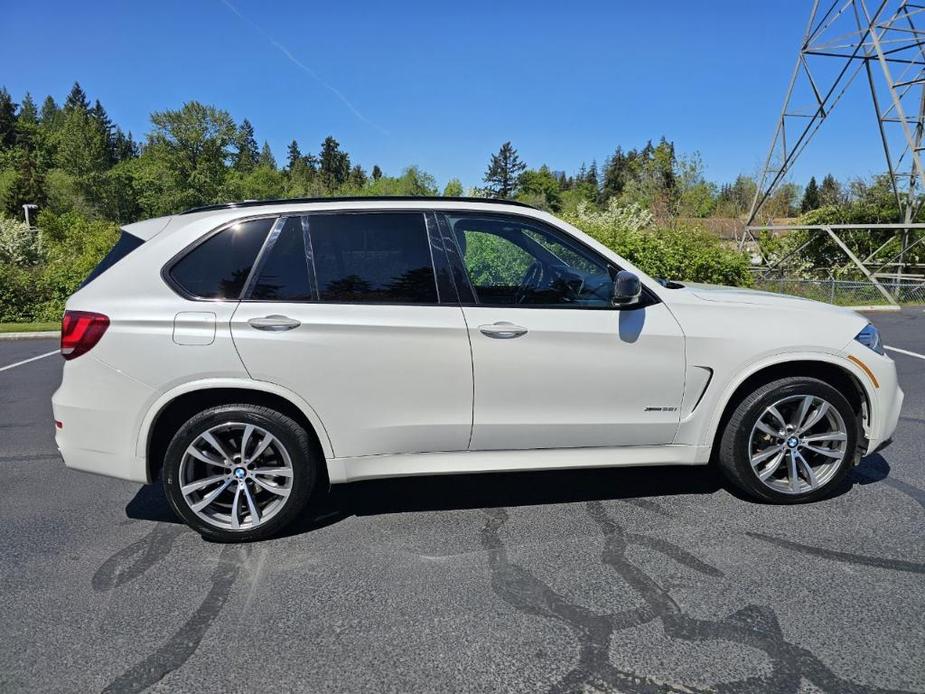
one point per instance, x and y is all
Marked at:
(515, 262)
(379, 257)
(218, 267)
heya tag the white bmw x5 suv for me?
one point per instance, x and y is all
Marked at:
(247, 353)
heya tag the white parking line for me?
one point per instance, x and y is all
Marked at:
(903, 351)
(41, 356)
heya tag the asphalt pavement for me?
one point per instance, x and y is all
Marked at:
(637, 580)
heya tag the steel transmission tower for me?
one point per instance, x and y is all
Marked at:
(880, 42)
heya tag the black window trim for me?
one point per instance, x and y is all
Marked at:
(313, 280)
(450, 244)
(189, 248)
(648, 297)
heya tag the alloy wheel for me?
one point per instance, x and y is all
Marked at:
(798, 444)
(236, 476)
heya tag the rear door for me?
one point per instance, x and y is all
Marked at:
(355, 313)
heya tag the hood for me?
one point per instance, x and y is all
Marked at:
(740, 295)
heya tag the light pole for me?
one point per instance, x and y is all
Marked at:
(26, 208)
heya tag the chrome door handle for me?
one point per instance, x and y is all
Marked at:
(502, 330)
(274, 324)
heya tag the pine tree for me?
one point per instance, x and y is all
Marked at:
(592, 175)
(830, 192)
(123, 146)
(28, 113)
(50, 111)
(245, 159)
(335, 164)
(266, 159)
(377, 172)
(28, 186)
(27, 124)
(503, 171)
(77, 99)
(104, 124)
(357, 176)
(616, 170)
(293, 156)
(7, 120)
(810, 197)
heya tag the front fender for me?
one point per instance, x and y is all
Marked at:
(710, 413)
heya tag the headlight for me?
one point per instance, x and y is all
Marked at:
(870, 337)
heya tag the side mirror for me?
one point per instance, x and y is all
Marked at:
(626, 289)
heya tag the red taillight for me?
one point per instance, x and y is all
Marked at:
(80, 331)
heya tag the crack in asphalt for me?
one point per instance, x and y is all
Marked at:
(184, 642)
(835, 555)
(755, 626)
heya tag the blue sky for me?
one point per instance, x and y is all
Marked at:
(443, 85)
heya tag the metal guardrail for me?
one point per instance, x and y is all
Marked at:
(909, 235)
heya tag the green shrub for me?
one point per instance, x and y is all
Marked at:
(19, 245)
(18, 293)
(681, 253)
(37, 275)
(73, 246)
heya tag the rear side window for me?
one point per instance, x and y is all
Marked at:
(125, 245)
(286, 266)
(372, 258)
(218, 267)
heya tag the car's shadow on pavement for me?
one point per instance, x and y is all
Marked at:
(496, 490)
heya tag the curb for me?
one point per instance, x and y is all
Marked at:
(31, 336)
(870, 309)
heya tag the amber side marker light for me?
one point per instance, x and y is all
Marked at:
(865, 369)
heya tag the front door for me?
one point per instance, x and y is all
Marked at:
(555, 364)
(345, 311)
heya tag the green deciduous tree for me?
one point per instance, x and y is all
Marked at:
(453, 188)
(183, 164)
(540, 188)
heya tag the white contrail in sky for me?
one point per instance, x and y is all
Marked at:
(305, 68)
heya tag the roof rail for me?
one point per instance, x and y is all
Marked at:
(354, 198)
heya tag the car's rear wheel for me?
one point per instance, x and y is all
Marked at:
(239, 472)
(791, 441)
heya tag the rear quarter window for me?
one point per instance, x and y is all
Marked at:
(218, 267)
(125, 245)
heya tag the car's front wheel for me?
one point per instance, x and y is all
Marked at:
(239, 472)
(791, 441)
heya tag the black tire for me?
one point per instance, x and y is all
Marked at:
(734, 456)
(292, 437)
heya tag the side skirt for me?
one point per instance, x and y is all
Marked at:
(341, 470)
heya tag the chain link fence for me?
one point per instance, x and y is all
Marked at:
(846, 292)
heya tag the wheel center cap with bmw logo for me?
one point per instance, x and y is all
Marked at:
(240, 473)
(793, 442)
